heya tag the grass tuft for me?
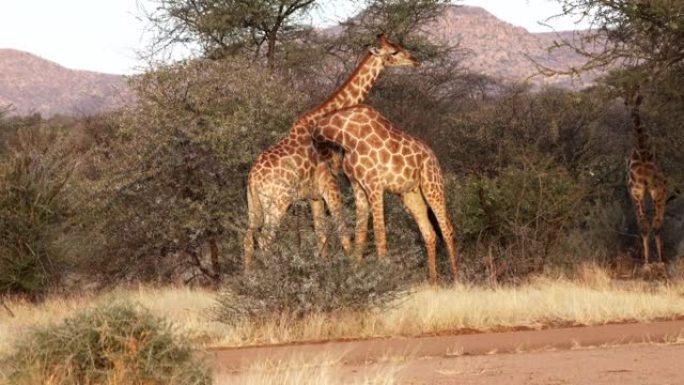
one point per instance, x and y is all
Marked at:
(325, 370)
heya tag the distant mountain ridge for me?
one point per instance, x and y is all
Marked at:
(502, 50)
(34, 85)
(496, 48)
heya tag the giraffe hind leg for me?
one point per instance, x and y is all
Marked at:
(415, 204)
(432, 188)
(362, 216)
(659, 198)
(255, 221)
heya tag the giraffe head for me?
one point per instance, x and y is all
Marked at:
(392, 54)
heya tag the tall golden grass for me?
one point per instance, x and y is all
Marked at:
(590, 298)
(187, 308)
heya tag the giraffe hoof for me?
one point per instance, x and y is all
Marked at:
(659, 269)
(653, 271)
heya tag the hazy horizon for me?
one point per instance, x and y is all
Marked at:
(117, 30)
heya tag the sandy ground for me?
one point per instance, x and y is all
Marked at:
(612, 354)
(624, 365)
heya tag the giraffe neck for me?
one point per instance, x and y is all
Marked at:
(353, 91)
(641, 142)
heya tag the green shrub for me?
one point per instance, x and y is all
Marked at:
(33, 208)
(516, 220)
(114, 344)
(297, 284)
(172, 179)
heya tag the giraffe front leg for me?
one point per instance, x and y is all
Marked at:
(248, 247)
(376, 204)
(362, 215)
(274, 211)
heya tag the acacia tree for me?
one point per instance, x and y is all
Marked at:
(222, 27)
(627, 33)
(402, 20)
(171, 179)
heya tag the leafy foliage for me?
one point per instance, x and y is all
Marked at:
(402, 20)
(630, 33)
(34, 207)
(520, 216)
(223, 28)
(172, 179)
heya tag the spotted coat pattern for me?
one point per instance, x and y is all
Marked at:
(645, 179)
(378, 158)
(293, 169)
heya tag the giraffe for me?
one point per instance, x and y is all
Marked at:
(645, 178)
(293, 169)
(379, 157)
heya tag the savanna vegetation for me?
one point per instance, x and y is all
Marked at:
(154, 194)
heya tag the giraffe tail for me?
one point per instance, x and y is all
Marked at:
(255, 214)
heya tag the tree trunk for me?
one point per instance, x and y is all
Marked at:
(272, 37)
(215, 263)
(270, 52)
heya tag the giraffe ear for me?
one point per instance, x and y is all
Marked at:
(382, 39)
(374, 51)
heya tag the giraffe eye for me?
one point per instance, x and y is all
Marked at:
(395, 53)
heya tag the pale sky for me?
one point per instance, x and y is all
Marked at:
(103, 35)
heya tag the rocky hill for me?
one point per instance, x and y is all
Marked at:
(35, 85)
(502, 50)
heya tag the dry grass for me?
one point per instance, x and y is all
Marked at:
(186, 308)
(590, 298)
(326, 370)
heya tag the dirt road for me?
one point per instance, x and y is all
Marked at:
(612, 354)
(625, 365)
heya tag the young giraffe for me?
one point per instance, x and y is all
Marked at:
(294, 169)
(379, 157)
(644, 177)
